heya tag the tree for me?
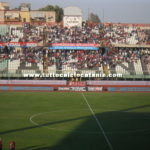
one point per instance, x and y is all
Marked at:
(94, 18)
(57, 9)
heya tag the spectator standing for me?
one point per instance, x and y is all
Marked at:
(12, 145)
(1, 144)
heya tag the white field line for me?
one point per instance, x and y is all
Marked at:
(90, 132)
(50, 128)
(98, 122)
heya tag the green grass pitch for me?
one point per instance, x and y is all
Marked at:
(64, 121)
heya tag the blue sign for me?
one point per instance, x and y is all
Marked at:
(74, 47)
(128, 89)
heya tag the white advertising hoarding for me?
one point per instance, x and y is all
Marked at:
(70, 21)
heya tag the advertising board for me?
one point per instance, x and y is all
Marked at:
(26, 88)
(96, 89)
(128, 89)
(78, 89)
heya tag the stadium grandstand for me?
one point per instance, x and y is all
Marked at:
(35, 49)
(83, 50)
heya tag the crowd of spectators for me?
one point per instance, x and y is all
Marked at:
(114, 34)
(86, 34)
(72, 58)
(127, 35)
(76, 59)
(128, 55)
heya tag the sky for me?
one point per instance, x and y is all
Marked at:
(123, 11)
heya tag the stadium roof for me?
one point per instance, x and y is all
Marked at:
(72, 11)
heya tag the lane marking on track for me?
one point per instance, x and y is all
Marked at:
(98, 122)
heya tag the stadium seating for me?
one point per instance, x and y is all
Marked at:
(3, 65)
(13, 66)
(127, 61)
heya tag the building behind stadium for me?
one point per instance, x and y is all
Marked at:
(24, 14)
